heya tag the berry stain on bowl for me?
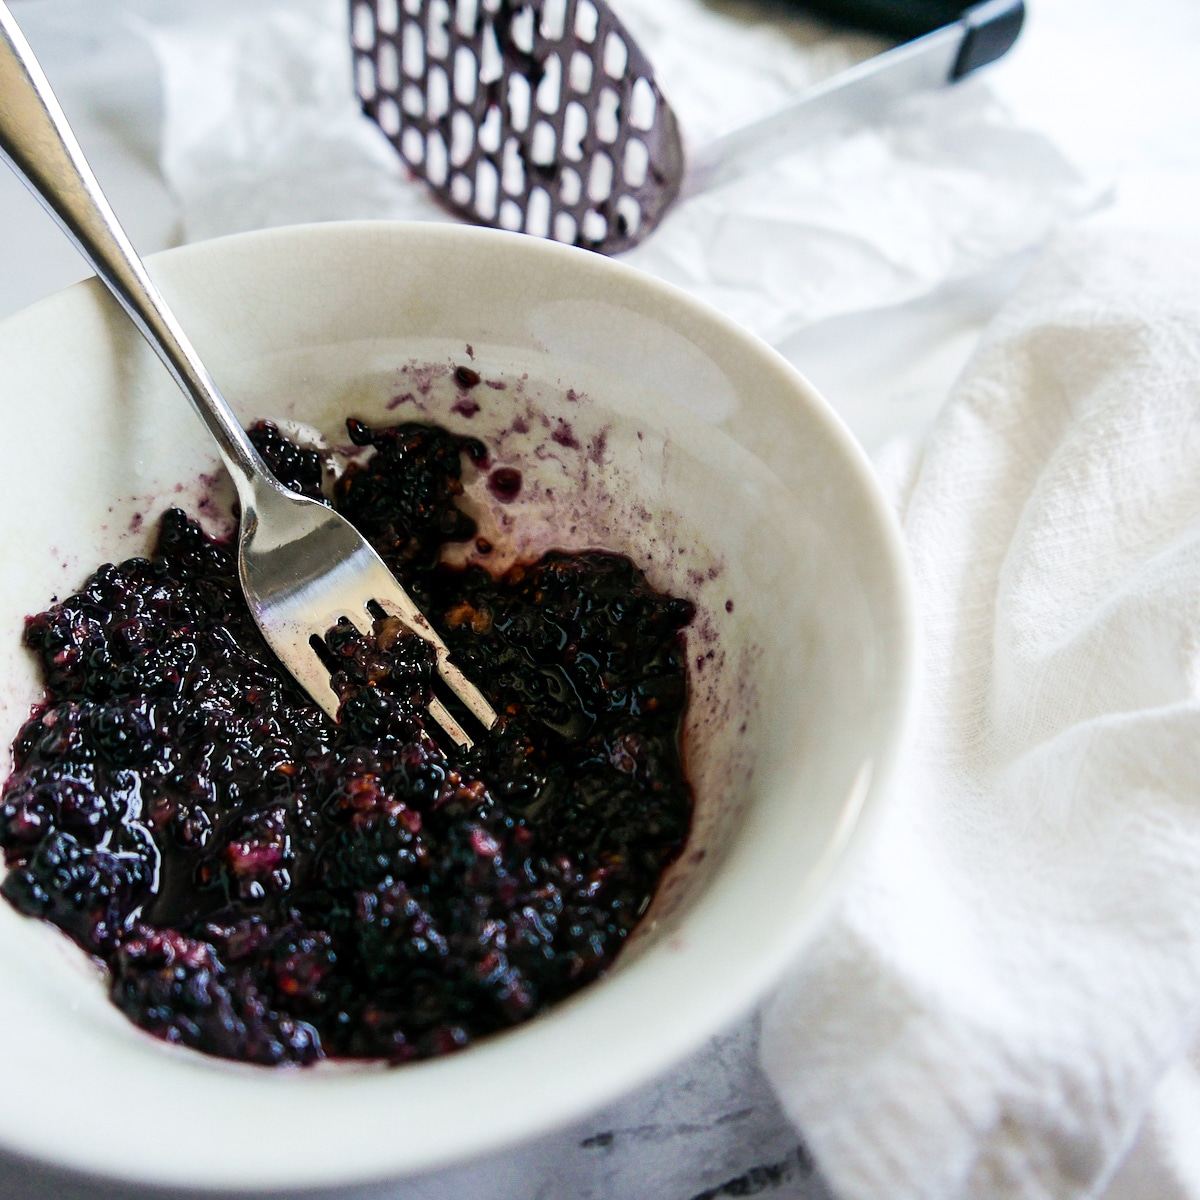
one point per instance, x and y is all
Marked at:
(265, 886)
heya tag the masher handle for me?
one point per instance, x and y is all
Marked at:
(860, 95)
(989, 31)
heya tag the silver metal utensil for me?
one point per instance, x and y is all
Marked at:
(545, 116)
(302, 566)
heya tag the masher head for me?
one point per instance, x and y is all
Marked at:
(534, 115)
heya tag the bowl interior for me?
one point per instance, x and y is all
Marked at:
(641, 423)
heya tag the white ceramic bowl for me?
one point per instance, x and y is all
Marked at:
(699, 452)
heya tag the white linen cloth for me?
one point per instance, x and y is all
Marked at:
(261, 127)
(1016, 963)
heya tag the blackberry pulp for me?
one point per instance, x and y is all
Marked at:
(267, 886)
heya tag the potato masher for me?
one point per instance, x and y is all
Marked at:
(545, 116)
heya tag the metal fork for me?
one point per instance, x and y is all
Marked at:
(302, 566)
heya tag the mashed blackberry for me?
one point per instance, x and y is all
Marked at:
(264, 885)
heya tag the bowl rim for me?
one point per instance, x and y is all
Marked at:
(87, 1150)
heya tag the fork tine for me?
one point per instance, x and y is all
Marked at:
(313, 676)
(362, 621)
(441, 714)
(466, 691)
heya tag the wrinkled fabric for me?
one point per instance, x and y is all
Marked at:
(1016, 965)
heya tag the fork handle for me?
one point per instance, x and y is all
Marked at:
(38, 143)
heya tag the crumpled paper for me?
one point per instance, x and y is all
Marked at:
(261, 128)
(1017, 962)
(260, 123)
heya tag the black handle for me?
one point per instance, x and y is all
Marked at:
(901, 19)
(991, 28)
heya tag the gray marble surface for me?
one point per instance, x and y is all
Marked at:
(708, 1130)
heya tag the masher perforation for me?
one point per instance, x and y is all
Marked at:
(387, 16)
(519, 114)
